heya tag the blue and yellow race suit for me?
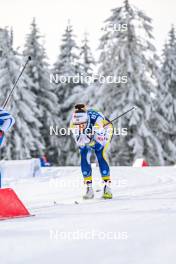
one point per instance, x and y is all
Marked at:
(95, 137)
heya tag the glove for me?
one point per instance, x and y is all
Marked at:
(6, 120)
(99, 136)
(99, 139)
(82, 140)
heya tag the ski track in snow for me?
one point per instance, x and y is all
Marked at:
(143, 207)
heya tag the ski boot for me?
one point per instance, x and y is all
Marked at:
(89, 192)
(107, 193)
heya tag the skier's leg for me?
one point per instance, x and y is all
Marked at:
(85, 163)
(100, 152)
(87, 171)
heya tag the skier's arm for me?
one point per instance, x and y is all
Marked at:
(6, 122)
(99, 131)
(80, 138)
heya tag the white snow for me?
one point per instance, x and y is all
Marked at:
(141, 218)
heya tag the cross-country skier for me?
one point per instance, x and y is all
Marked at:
(90, 133)
(6, 122)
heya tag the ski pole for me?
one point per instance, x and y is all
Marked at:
(111, 121)
(11, 92)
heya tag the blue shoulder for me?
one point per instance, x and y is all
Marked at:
(94, 113)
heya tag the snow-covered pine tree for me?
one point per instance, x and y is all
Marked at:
(127, 50)
(25, 137)
(67, 68)
(85, 92)
(166, 106)
(87, 66)
(87, 61)
(46, 99)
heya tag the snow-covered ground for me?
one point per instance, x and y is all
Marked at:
(137, 226)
